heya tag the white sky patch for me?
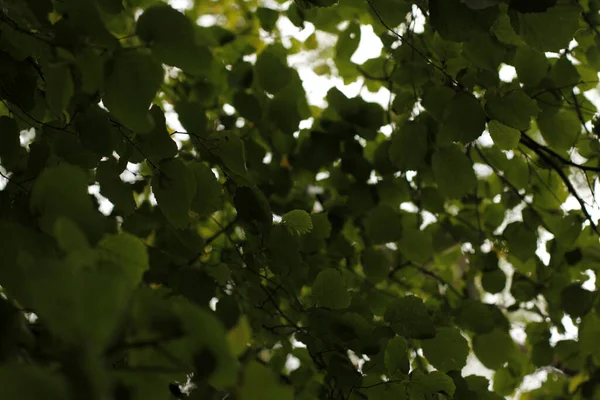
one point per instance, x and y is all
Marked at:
(181, 5)
(292, 363)
(3, 180)
(26, 137)
(289, 30)
(105, 206)
(507, 73)
(370, 46)
(418, 24)
(590, 284)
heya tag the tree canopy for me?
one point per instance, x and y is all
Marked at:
(430, 246)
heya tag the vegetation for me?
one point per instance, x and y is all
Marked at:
(277, 249)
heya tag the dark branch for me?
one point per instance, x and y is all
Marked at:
(551, 162)
(535, 146)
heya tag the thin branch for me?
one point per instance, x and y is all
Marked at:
(223, 229)
(438, 278)
(546, 158)
(535, 146)
(571, 85)
(371, 77)
(139, 344)
(19, 184)
(579, 113)
(149, 369)
(477, 201)
(381, 383)
(134, 145)
(412, 46)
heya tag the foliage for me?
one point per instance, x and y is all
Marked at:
(277, 248)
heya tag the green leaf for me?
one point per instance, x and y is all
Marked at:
(207, 197)
(193, 284)
(283, 112)
(433, 383)
(463, 121)
(514, 109)
(531, 65)
(59, 87)
(113, 188)
(247, 106)
(240, 336)
(396, 356)
(560, 129)
(230, 149)
(10, 144)
(576, 301)
(128, 252)
(588, 336)
(321, 225)
(453, 172)
(493, 281)
(504, 31)
(174, 187)
(551, 30)
(192, 117)
(375, 264)
(383, 225)
(171, 36)
(284, 249)
(91, 64)
(272, 71)
(475, 316)
(393, 11)
(505, 382)
(22, 381)
(131, 84)
(505, 137)
(484, 51)
(252, 206)
(330, 291)
(346, 45)
(409, 317)
(493, 349)
(416, 246)
(297, 221)
(260, 383)
(564, 75)
(521, 241)
(49, 202)
(267, 17)
(157, 144)
(481, 4)
(86, 18)
(457, 22)
(517, 172)
(447, 351)
(409, 146)
(436, 99)
(68, 235)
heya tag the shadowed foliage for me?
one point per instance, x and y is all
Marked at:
(181, 217)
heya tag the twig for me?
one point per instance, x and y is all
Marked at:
(568, 184)
(14, 182)
(438, 278)
(371, 77)
(380, 383)
(223, 229)
(535, 146)
(413, 47)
